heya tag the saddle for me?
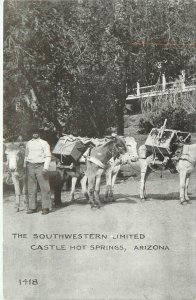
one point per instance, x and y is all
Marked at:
(166, 147)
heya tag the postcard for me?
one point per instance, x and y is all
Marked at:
(99, 150)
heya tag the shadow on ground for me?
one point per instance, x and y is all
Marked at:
(165, 197)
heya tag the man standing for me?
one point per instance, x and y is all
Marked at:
(37, 161)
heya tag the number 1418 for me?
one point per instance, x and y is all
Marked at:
(28, 282)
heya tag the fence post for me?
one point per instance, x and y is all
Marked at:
(138, 88)
(182, 79)
(163, 82)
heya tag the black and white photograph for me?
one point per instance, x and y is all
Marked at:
(99, 150)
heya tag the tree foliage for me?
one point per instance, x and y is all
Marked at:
(79, 57)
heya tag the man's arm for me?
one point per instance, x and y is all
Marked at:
(47, 156)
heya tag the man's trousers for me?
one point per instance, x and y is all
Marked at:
(34, 176)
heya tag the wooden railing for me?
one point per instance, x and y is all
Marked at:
(164, 87)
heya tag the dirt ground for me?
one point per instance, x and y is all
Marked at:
(93, 271)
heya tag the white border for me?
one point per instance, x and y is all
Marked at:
(1, 152)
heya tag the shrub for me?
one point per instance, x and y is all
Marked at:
(178, 109)
(177, 119)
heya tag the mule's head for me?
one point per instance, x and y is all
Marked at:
(131, 145)
(119, 146)
(15, 157)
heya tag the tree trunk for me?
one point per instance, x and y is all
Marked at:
(40, 100)
(121, 29)
(120, 118)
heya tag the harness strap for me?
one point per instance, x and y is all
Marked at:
(96, 161)
(188, 158)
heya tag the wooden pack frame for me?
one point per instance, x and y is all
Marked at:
(166, 142)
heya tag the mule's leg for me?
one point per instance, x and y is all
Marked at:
(182, 175)
(83, 183)
(186, 188)
(97, 190)
(146, 177)
(17, 192)
(142, 186)
(91, 184)
(91, 171)
(114, 175)
(97, 187)
(58, 184)
(108, 185)
(25, 192)
(142, 179)
(73, 187)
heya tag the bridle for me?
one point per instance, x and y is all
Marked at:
(118, 149)
(188, 158)
(18, 168)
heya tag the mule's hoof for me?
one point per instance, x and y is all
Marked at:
(98, 204)
(71, 200)
(86, 195)
(183, 202)
(142, 200)
(111, 199)
(93, 206)
(189, 201)
(31, 211)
